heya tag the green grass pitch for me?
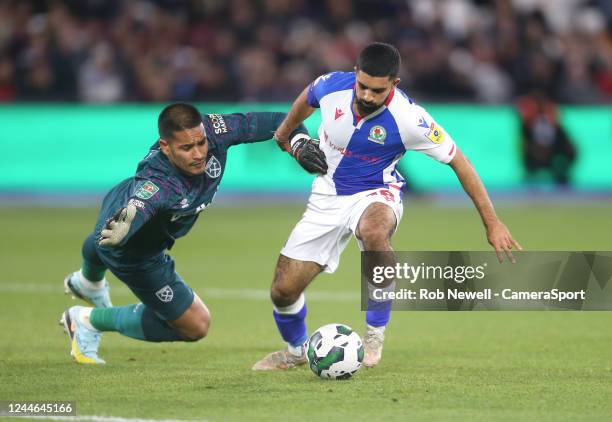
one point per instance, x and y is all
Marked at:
(477, 366)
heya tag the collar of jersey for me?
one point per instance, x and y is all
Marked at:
(358, 121)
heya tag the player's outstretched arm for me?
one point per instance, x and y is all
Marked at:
(304, 149)
(300, 111)
(117, 227)
(498, 234)
(307, 152)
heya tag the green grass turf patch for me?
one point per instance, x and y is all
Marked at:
(436, 366)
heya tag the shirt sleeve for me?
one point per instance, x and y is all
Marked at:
(317, 90)
(423, 134)
(150, 197)
(244, 128)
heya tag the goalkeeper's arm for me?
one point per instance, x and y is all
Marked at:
(118, 227)
(305, 150)
(126, 222)
(300, 111)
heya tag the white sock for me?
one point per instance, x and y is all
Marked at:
(84, 317)
(381, 330)
(296, 351)
(91, 284)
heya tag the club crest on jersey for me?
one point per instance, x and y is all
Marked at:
(213, 167)
(147, 190)
(378, 134)
(435, 133)
(165, 294)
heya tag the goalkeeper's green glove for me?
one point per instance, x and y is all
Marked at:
(307, 152)
(117, 228)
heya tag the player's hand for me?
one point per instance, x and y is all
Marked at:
(117, 228)
(307, 152)
(502, 241)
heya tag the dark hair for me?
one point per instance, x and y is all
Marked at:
(379, 59)
(177, 117)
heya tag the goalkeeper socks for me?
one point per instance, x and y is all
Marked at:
(135, 321)
(93, 268)
(291, 322)
(91, 273)
(88, 283)
(378, 313)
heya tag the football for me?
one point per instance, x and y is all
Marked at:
(335, 351)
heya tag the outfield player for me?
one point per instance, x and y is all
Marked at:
(368, 123)
(141, 218)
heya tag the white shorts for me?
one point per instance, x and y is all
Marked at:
(326, 226)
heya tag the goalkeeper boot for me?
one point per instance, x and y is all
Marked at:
(282, 359)
(84, 341)
(373, 344)
(95, 296)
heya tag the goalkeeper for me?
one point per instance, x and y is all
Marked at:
(142, 217)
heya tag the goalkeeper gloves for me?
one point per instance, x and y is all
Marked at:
(117, 227)
(307, 152)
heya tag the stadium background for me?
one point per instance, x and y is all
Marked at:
(81, 85)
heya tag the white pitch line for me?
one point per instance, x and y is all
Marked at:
(95, 418)
(207, 292)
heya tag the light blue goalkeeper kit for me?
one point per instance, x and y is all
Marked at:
(168, 204)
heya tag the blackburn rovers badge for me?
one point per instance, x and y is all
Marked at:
(378, 134)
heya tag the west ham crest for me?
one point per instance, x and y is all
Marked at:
(213, 167)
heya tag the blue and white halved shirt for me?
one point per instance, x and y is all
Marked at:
(362, 153)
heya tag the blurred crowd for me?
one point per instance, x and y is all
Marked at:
(490, 51)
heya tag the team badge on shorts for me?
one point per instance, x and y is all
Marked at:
(165, 294)
(435, 133)
(213, 167)
(147, 190)
(378, 134)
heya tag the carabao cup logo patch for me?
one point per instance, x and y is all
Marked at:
(165, 294)
(147, 190)
(378, 134)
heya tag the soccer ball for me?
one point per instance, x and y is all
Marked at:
(335, 351)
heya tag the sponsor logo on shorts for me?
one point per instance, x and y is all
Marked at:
(378, 134)
(218, 123)
(213, 167)
(165, 294)
(147, 190)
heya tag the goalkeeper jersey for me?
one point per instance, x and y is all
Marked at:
(168, 202)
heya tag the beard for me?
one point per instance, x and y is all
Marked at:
(365, 108)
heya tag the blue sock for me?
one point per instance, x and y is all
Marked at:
(291, 322)
(378, 313)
